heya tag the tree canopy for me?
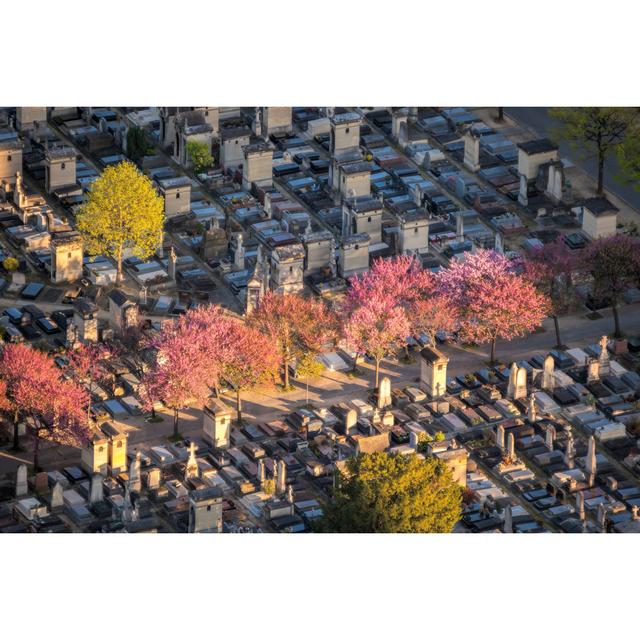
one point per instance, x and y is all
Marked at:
(123, 212)
(393, 493)
(199, 155)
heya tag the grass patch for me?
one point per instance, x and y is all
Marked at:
(539, 330)
(594, 315)
(469, 345)
(355, 373)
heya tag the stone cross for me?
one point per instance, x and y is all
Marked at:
(57, 498)
(511, 447)
(22, 487)
(96, 493)
(192, 470)
(281, 484)
(532, 415)
(500, 437)
(172, 263)
(384, 393)
(549, 436)
(605, 364)
(591, 461)
(548, 379)
(508, 519)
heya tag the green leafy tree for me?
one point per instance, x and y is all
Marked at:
(123, 211)
(199, 155)
(595, 131)
(137, 145)
(392, 493)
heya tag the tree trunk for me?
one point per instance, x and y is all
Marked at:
(36, 450)
(500, 114)
(175, 423)
(616, 320)
(377, 370)
(285, 373)
(493, 351)
(238, 407)
(355, 363)
(119, 266)
(556, 324)
(16, 437)
(600, 172)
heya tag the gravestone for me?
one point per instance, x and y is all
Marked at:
(460, 227)
(135, 478)
(580, 505)
(290, 494)
(499, 243)
(521, 384)
(22, 487)
(602, 517)
(500, 437)
(384, 393)
(472, 149)
(548, 378)
(96, 493)
(261, 472)
(172, 263)
(605, 363)
(591, 463)
(281, 483)
(511, 447)
(413, 440)
(153, 478)
(532, 415)
(549, 436)
(387, 419)
(192, 470)
(523, 196)
(569, 455)
(57, 496)
(593, 370)
(238, 254)
(41, 482)
(508, 520)
(513, 376)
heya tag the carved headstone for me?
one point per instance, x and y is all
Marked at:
(153, 478)
(281, 482)
(605, 363)
(532, 414)
(500, 437)
(96, 493)
(580, 505)
(591, 461)
(511, 447)
(593, 370)
(172, 259)
(548, 378)
(135, 478)
(521, 384)
(384, 393)
(513, 376)
(508, 519)
(413, 440)
(569, 455)
(549, 436)
(192, 470)
(57, 498)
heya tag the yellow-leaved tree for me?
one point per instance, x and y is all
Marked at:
(123, 211)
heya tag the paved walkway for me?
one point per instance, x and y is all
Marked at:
(270, 403)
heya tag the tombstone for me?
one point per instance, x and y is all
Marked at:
(41, 482)
(238, 254)
(555, 182)
(172, 263)
(521, 384)
(471, 149)
(569, 456)
(500, 437)
(22, 487)
(384, 393)
(580, 505)
(508, 520)
(413, 440)
(603, 359)
(602, 517)
(57, 496)
(290, 494)
(96, 493)
(532, 415)
(511, 447)
(281, 483)
(549, 436)
(634, 512)
(591, 463)
(135, 479)
(548, 378)
(523, 196)
(513, 377)
(262, 474)
(433, 371)
(153, 478)
(460, 227)
(498, 246)
(593, 370)
(192, 470)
